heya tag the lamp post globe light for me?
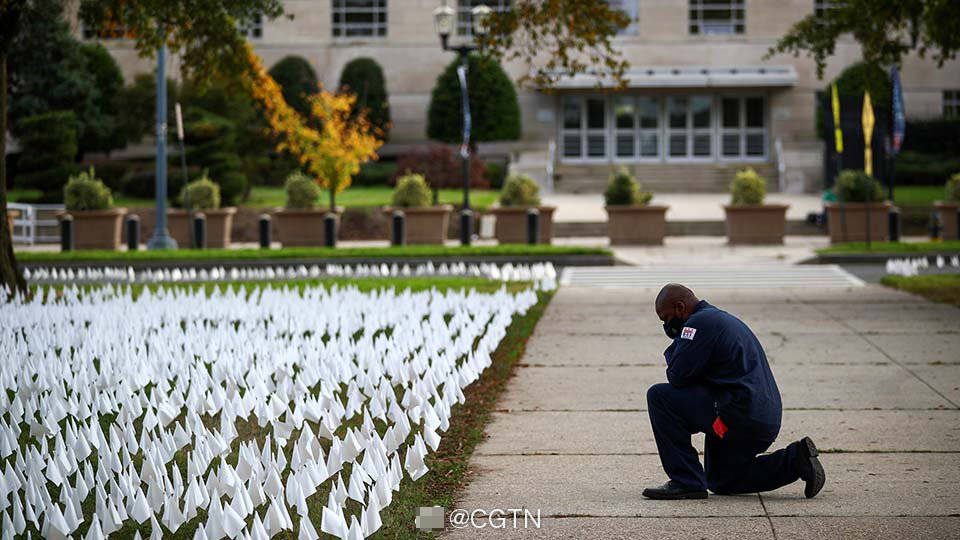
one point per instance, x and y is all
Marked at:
(443, 21)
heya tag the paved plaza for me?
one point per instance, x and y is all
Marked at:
(872, 374)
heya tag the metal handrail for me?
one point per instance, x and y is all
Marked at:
(781, 164)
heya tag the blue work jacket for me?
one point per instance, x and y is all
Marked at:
(719, 351)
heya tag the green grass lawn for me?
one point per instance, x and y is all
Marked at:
(448, 465)
(271, 197)
(904, 248)
(307, 253)
(367, 196)
(937, 287)
(917, 195)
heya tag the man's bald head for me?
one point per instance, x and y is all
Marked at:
(675, 301)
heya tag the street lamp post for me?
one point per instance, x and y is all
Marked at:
(443, 18)
(161, 237)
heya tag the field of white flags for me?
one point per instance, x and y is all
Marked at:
(240, 415)
(540, 273)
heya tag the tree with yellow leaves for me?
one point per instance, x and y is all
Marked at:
(333, 152)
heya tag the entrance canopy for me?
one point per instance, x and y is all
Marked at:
(753, 76)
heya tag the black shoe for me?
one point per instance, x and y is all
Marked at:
(811, 471)
(672, 491)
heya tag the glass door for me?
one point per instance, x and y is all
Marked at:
(677, 127)
(689, 128)
(596, 133)
(624, 118)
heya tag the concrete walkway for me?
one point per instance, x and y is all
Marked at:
(872, 374)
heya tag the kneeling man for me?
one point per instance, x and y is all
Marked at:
(720, 384)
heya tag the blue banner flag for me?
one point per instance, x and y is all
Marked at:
(899, 120)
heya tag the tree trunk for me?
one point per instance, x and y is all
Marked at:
(10, 277)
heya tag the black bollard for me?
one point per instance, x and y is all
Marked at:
(399, 228)
(466, 226)
(264, 224)
(935, 227)
(330, 230)
(893, 220)
(199, 231)
(66, 233)
(133, 232)
(956, 229)
(533, 226)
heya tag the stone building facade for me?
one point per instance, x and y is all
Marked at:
(702, 101)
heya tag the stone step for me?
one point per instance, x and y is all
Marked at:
(598, 229)
(668, 178)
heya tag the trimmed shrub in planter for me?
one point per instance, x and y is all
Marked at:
(748, 220)
(96, 224)
(202, 195)
(630, 217)
(859, 209)
(948, 207)
(425, 224)
(519, 194)
(301, 223)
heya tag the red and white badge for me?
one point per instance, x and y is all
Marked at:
(688, 333)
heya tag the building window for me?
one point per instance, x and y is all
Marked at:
(821, 7)
(743, 131)
(951, 103)
(359, 18)
(465, 16)
(629, 8)
(252, 28)
(716, 17)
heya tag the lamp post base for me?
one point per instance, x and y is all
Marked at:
(161, 240)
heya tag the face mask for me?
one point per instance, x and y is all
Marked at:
(672, 328)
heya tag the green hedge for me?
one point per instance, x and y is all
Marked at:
(922, 169)
(48, 149)
(494, 111)
(375, 173)
(851, 84)
(297, 80)
(939, 136)
(141, 183)
(495, 173)
(364, 77)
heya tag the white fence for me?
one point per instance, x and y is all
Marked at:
(34, 224)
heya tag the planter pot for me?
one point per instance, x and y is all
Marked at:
(302, 227)
(632, 225)
(854, 215)
(511, 224)
(219, 224)
(756, 223)
(948, 219)
(97, 229)
(423, 225)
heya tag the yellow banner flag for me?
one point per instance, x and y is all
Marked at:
(868, 120)
(837, 134)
